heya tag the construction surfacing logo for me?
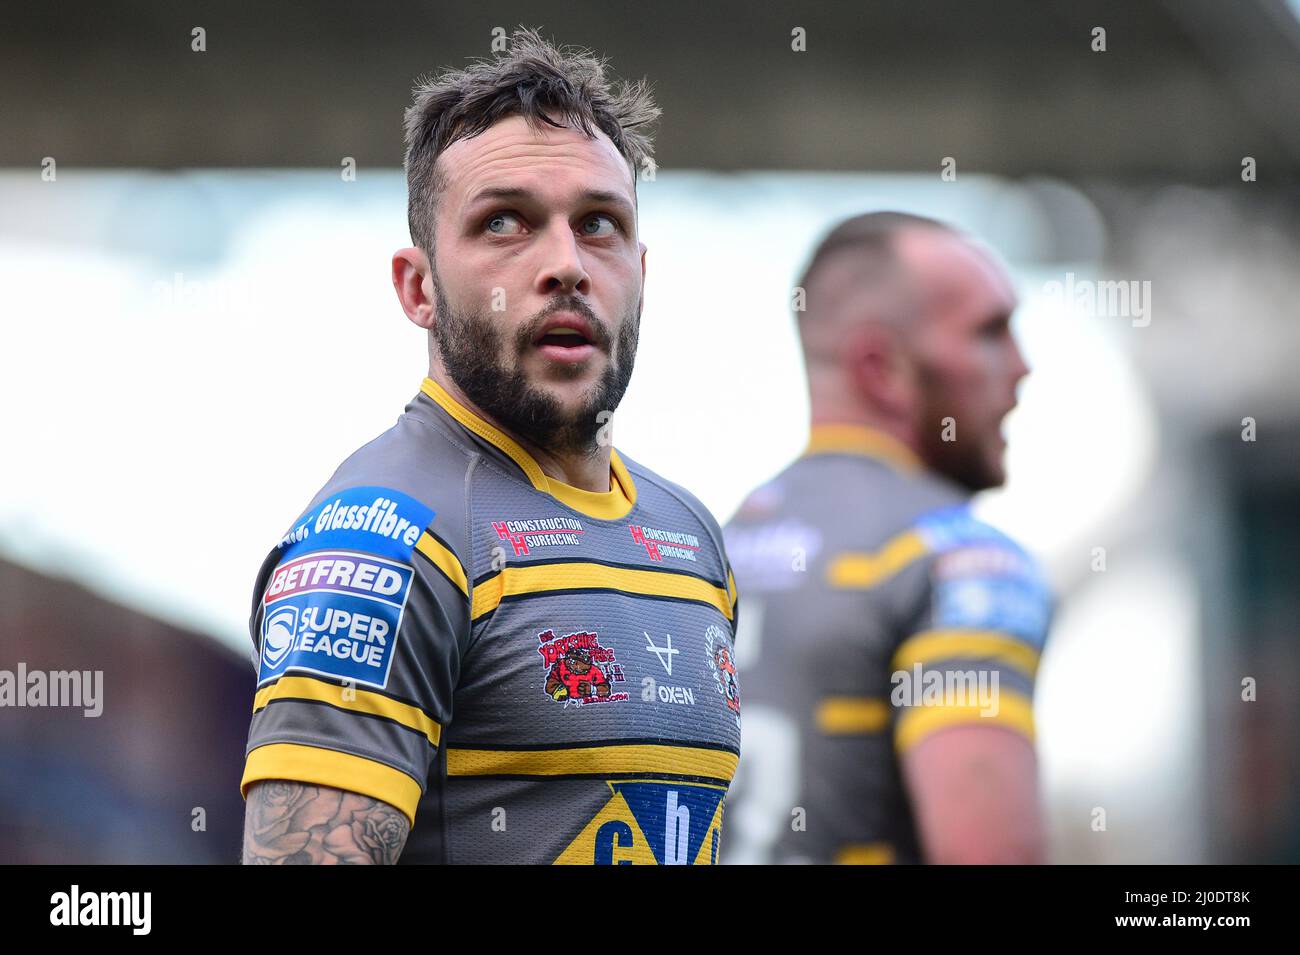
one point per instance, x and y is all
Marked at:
(660, 543)
(523, 536)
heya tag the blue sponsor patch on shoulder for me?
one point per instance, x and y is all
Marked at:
(983, 580)
(956, 527)
(1015, 606)
(333, 605)
(376, 520)
(334, 613)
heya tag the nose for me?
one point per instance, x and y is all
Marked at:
(1019, 367)
(562, 268)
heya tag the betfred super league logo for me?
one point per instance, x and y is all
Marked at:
(579, 669)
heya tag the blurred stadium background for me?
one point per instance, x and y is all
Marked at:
(199, 325)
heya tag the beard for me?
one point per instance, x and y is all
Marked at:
(968, 461)
(473, 350)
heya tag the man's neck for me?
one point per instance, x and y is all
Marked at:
(826, 415)
(583, 471)
(833, 401)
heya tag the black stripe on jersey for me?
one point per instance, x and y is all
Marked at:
(343, 709)
(511, 598)
(617, 565)
(569, 777)
(349, 686)
(592, 744)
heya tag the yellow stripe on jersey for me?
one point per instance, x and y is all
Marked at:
(329, 767)
(855, 571)
(1015, 712)
(870, 853)
(578, 575)
(619, 758)
(444, 560)
(611, 505)
(355, 700)
(931, 645)
(487, 432)
(836, 715)
(859, 439)
(731, 588)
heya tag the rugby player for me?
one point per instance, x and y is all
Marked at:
(490, 637)
(891, 639)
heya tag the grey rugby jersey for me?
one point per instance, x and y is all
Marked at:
(877, 611)
(532, 673)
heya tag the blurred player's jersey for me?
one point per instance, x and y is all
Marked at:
(858, 566)
(529, 671)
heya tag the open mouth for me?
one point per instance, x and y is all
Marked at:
(567, 338)
(564, 338)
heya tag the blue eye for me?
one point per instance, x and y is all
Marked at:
(594, 220)
(502, 223)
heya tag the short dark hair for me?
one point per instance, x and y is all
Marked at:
(872, 234)
(532, 79)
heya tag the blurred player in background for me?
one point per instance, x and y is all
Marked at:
(891, 639)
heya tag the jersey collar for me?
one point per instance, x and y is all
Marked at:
(610, 505)
(862, 440)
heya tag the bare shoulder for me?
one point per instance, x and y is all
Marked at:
(292, 823)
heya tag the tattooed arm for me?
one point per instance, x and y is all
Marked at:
(289, 823)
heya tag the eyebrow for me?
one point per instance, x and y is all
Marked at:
(513, 193)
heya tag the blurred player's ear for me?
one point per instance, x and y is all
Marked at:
(413, 282)
(878, 368)
(642, 244)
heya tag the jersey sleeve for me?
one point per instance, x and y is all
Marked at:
(358, 622)
(971, 652)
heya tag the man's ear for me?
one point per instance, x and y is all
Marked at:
(413, 283)
(879, 368)
(642, 244)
